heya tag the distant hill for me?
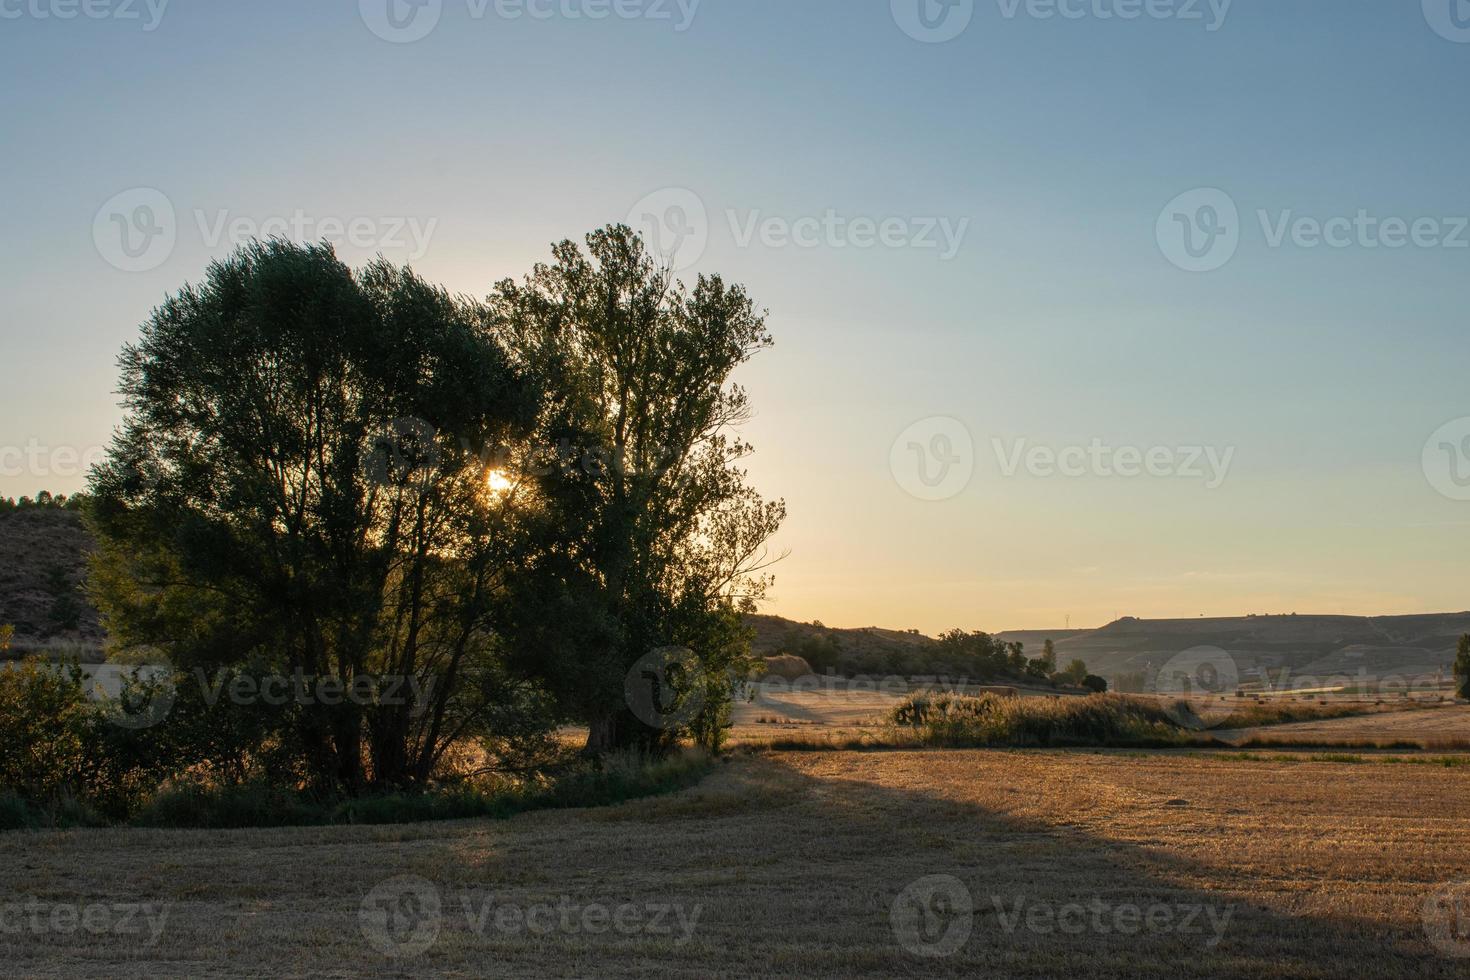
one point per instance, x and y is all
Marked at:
(43, 553)
(1316, 646)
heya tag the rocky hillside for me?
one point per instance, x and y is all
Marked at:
(43, 554)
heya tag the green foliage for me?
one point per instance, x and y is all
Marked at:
(1075, 673)
(654, 538)
(45, 500)
(7, 636)
(262, 803)
(297, 484)
(982, 657)
(63, 746)
(1095, 684)
(1099, 720)
(1462, 666)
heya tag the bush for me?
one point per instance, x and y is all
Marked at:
(1098, 720)
(615, 779)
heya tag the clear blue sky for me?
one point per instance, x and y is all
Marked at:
(1060, 319)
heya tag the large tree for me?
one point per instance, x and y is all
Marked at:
(297, 488)
(658, 540)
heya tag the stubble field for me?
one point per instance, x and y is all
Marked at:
(1036, 864)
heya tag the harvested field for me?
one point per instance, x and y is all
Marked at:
(817, 864)
(1430, 726)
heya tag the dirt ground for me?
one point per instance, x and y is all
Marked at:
(1033, 864)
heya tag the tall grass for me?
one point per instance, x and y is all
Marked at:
(1103, 720)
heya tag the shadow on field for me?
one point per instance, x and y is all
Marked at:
(775, 871)
(962, 888)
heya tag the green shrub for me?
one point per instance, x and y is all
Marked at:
(989, 719)
(197, 804)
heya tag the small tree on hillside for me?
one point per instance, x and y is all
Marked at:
(1075, 673)
(1462, 666)
(1049, 656)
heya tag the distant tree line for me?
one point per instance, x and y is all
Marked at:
(44, 500)
(957, 653)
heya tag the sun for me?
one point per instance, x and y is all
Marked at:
(498, 482)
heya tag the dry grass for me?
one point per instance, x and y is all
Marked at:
(794, 863)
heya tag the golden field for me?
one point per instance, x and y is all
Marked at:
(841, 864)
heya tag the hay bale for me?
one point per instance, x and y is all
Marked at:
(788, 667)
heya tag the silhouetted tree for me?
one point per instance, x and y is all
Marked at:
(296, 485)
(657, 540)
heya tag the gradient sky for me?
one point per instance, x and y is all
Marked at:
(1060, 320)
